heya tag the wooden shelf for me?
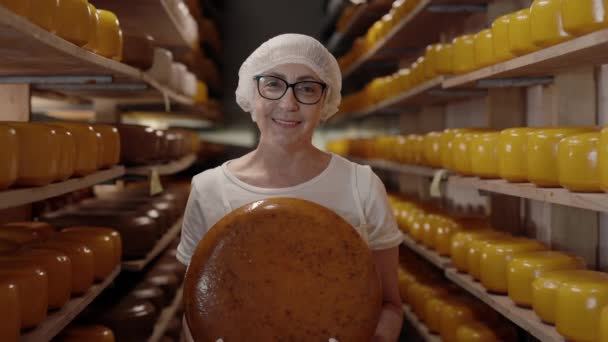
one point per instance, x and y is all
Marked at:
(427, 93)
(16, 197)
(363, 18)
(56, 321)
(148, 17)
(591, 49)
(411, 35)
(161, 245)
(590, 201)
(525, 318)
(386, 165)
(27, 50)
(166, 316)
(422, 330)
(163, 169)
(427, 254)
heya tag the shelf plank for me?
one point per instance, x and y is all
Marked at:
(28, 50)
(166, 316)
(590, 201)
(161, 245)
(427, 254)
(16, 197)
(386, 165)
(58, 320)
(163, 169)
(591, 49)
(148, 17)
(422, 330)
(524, 318)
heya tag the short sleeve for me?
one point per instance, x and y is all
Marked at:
(384, 232)
(193, 227)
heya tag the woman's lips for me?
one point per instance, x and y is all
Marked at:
(286, 123)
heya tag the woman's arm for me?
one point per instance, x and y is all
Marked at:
(391, 317)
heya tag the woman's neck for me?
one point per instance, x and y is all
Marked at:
(280, 166)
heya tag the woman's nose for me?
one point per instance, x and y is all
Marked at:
(288, 102)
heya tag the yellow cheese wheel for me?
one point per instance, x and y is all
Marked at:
(109, 35)
(484, 155)
(525, 267)
(44, 14)
(433, 309)
(584, 16)
(86, 146)
(459, 246)
(110, 155)
(445, 58)
(580, 299)
(89, 333)
(102, 246)
(544, 293)
(20, 7)
(603, 159)
(427, 292)
(604, 325)
(32, 286)
(67, 153)
(446, 143)
(520, 33)
(512, 154)
(484, 48)
(443, 237)
(496, 256)
(454, 314)
(39, 153)
(337, 296)
(464, 54)
(10, 316)
(542, 165)
(476, 331)
(9, 159)
(92, 44)
(500, 35)
(577, 162)
(82, 260)
(432, 152)
(58, 268)
(546, 23)
(475, 249)
(73, 21)
(102, 231)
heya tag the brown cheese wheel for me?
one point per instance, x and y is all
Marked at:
(282, 269)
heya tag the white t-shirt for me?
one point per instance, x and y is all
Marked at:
(351, 190)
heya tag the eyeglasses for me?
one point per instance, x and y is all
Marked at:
(305, 92)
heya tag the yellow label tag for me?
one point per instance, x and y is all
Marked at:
(156, 186)
(435, 190)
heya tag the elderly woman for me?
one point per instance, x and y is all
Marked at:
(290, 84)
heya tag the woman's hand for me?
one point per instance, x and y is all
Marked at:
(391, 317)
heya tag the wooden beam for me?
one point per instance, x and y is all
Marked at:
(15, 100)
(602, 119)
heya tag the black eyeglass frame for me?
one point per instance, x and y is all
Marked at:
(290, 85)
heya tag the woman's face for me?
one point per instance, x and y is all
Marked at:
(286, 121)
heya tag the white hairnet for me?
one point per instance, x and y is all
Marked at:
(287, 49)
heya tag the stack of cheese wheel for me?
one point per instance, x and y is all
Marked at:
(42, 153)
(141, 219)
(49, 267)
(573, 300)
(444, 309)
(259, 293)
(145, 145)
(76, 21)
